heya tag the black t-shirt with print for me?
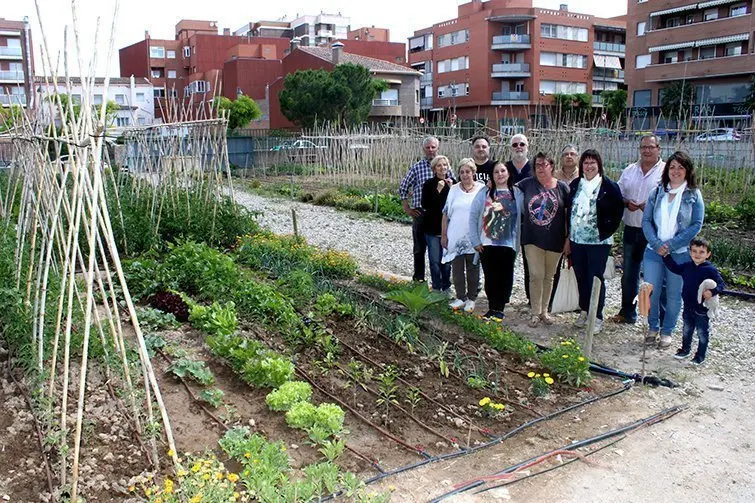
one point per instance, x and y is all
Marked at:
(485, 171)
(544, 217)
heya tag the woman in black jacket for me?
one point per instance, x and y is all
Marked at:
(434, 195)
(595, 211)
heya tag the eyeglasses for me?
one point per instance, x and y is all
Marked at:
(648, 147)
(520, 144)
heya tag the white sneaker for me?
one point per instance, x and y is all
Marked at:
(457, 304)
(598, 326)
(581, 319)
(469, 306)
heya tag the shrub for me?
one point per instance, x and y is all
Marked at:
(567, 362)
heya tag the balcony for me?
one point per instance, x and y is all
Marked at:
(608, 75)
(11, 76)
(613, 49)
(696, 31)
(702, 68)
(325, 33)
(510, 70)
(511, 42)
(10, 52)
(511, 98)
(12, 99)
(385, 108)
(425, 103)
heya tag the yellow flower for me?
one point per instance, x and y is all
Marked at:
(564, 356)
(537, 375)
(131, 489)
(236, 496)
(546, 375)
(484, 401)
(549, 380)
(498, 406)
(171, 453)
(158, 500)
(581, 358)
(196, 499)
(168, 486)
(148, 491)
(219, 476)
(233, 477)
(197, 466)
(206, 476)
(247, 455)
(531, 374)
(182, 473)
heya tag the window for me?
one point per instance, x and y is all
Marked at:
(198, 86)
(187, 51)
(735, 92)
(76, 99)
(551, 87)
(13, 42)
(122, 122)
(641, 28)
(564, 60)
(171, 54)
(563, 32)
(171, 74)
(457, 37)
(687, 55)
(159, 92)
(173, 93)
(707, 52)
(690, 18)
(156, 52)
(98, 99)
(642, 98)
(454, 64)
(733, 49)
(710, 14)
(669, 57)
(142, 121)
(157, 73)
(739, 9)
(140, 97)
(120, 99)
(641, 61)
(453, 90)
(673, 21)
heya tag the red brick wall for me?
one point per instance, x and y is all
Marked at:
(134, 60)
(251, 75)
(394, 52)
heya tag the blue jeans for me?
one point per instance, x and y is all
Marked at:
(656, 273)
(418, 237)
(589, 261)
(701, 322)
(439, 273)
(634, 249)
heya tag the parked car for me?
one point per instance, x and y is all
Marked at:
(297, 145)
(603, 132)
(720, 134)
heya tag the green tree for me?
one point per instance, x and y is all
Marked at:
(241, 111)
(571, 106)
(344, 95)
(615, 104)
(9, 116)
(677, 99)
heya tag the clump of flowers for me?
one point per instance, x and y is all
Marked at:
(567, 362)
(489, 408)
(540, 384)
(199, 478)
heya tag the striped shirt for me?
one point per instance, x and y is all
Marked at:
(418, 174)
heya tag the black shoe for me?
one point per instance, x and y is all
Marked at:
(497, 315)
(697, 361)
(488, 314)
(681, 354)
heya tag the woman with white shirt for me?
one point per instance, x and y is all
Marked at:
(458, 249)
(673, 215)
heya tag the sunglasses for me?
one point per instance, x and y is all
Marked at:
(520, 144)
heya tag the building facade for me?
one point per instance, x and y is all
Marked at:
(370, 34)
(311, 30)
(16, 63)
(134, 98)
(500, 61)
(708, 45)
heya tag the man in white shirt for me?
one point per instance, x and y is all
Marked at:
(636, 183)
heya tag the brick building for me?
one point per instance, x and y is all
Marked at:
(370, 34)
(707, 44)
(501, 60)
(16, 63)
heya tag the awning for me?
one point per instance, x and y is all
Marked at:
(607, 62)
(713, 3)
(674, 10)
(415, 43)
(722, 40)
(671, 47)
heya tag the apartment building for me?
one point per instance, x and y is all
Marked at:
(134, 97)
(312, 30)
(709, 45)
(502, 60)
(370, 34)
(16, 63)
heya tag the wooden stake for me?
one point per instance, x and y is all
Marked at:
(591, 315)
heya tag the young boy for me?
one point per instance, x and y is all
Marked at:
(695, 314)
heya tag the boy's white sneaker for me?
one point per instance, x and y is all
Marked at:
(469, 306)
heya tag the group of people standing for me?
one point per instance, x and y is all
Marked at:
(557, 215)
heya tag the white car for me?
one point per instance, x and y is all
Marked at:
(297, 145)
(721, 134)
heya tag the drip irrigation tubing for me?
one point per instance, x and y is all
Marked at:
(739, 295)
(655, 418)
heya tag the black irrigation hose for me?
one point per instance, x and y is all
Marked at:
(739, 295)
(658, 417)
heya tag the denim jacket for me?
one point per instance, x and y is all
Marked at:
(689, 221)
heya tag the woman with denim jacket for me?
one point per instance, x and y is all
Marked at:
(673, 215)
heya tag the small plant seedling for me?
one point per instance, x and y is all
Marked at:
(413, 398)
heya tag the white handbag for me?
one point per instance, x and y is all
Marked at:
(566, 298)
(610, 271)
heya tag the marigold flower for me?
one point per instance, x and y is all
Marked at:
(182, 473)
(233, 477)
(546, 375)
(131, 489)
(171, 452)
(565, 356)
(168, 486)
(196, 499)
(549, 380)
(531, 375)
(247, 455)
(219, 476)
(581, 358)
(484, 401)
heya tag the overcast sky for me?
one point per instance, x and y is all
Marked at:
(159, 17)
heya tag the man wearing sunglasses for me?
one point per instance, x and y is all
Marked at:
(519, 165)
